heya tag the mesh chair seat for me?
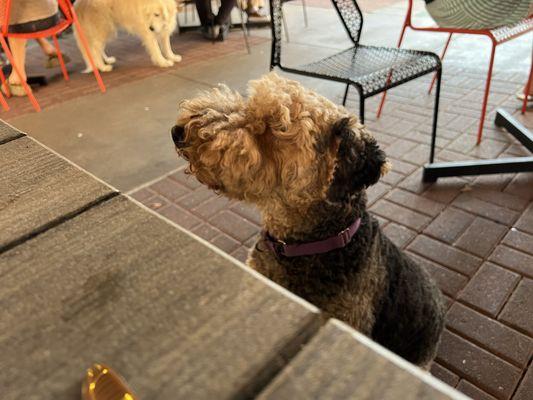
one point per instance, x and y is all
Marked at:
(507, 32)
(373, 69)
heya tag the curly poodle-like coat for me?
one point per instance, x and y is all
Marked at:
(305, 163)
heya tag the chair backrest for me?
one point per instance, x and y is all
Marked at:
(5, 11)
(348, 11)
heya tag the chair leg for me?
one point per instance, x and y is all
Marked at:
(527, 88)
(438, 76)
(486, 95)
(244, 29)
(345, 94)
(384, 96)
(60, 57)
(304, 7)
(361, 108)
(285, 27)
(85, 45)
(15, 67)
(442, 59)
(3, 101)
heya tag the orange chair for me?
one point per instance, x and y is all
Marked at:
(69, 18)
(497, 36)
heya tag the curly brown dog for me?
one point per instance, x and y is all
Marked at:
(305, 163)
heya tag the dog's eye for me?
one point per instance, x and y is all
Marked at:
(156, 15)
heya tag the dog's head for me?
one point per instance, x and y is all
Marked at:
(160, 15)
(284, 143)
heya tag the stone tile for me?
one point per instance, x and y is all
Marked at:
(521, 186)
(400, 147)
(448, 377)
(241, 254)
(225, 243)
(247, 211)
(513, 259)
(415, 202)
(499, 198)
(211, 207)
(519, 240)
(449, 256)
(402, 167)
(392, 178)
(450, 282)
(490, 373)
(490, 334)
(526, 386)
(525, 222)
(143, 194)
(446, 190)
(481, 237)
(489, 288)
(206, 231)
(473, 391)
(375, 192)
(196, 198)
(156, 202)
(449, 225)
(488, 210)
(169, 188)
(181, 217)
(185, 179)
(400, 214)
(518, 311)
(234, 225)
(399, 234)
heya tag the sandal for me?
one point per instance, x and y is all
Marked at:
(520, 96)
(53, 60)
(102, 383)
(13, 89)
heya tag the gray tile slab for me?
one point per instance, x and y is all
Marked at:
(118, 285)
(122, 137)
(339, 363)
(8, 133)
(38, 188)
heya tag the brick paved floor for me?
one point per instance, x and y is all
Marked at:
(474, 235)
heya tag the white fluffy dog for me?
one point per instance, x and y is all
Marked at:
(151, 20)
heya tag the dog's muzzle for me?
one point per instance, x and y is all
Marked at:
(178, 135)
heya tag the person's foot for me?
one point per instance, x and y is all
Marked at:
(520, 96)
(257, 14)
(211, 32)
(223, 32)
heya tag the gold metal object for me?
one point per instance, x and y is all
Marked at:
(102, 383)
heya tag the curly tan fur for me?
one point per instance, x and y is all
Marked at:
(305, 163)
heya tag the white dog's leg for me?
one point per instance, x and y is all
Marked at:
(152, 47)
(97, 50)
(108, 59)
(164, 41)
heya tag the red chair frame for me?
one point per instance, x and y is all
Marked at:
(497, 37)
(69, 18)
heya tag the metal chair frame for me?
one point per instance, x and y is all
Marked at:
(352, 20)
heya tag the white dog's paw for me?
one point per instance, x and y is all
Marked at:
(175, 57)
(106, 68)
(164, 63)
(87, 70)
(110, 60)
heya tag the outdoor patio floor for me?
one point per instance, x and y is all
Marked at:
(474, 235)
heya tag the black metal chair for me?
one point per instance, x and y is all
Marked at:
(370, 69)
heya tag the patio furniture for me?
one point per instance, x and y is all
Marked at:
(433, 171)
(306, 20)
(370, 69)
(90, 276)
(497, 36)
(69, 18)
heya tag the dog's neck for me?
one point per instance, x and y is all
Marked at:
(318, 220)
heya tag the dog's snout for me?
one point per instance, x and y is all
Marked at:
(177, 135)
(152, 28)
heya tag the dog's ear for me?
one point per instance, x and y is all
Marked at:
(360, 161)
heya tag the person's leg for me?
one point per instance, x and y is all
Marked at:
(18, 49)
(46, 47)
(224, 12)
(204, 12)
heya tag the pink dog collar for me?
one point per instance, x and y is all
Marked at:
(340, 240)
